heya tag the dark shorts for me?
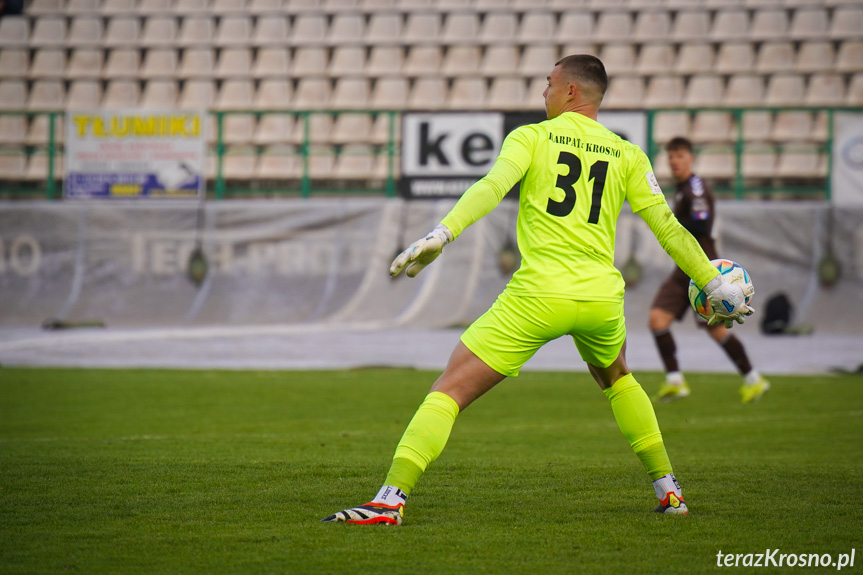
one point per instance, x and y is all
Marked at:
(673, 295)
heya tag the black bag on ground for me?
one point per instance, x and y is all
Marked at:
(777, 314)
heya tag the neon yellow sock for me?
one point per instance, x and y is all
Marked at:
(423, 441)
(637, 421)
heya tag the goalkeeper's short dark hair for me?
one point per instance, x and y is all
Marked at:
(587, 72)
(678, 143)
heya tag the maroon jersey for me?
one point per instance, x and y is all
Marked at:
(694, 208)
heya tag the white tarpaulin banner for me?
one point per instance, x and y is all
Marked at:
(126, 154)
(326, 261)
(847, 183)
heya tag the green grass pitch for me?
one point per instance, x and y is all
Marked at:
(152, 471)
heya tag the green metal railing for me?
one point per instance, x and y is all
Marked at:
(738, 184)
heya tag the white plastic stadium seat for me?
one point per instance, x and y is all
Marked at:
(274, 129)
(159, 31)
(76, 7)
(624, 92)
(118, 8)
(47, 95)
(744, 90)
(467, 94)
(239, 162)
(718, 163)
(506, 94)
(197, 31)
(123, 63)
(775, 57)
(45, 7)
(390, 94)
(159, 63)
(84, 95)
(618, 58)
(312, 94)
(279, 162)
(234, 31)
(13, 162)
(704, 90)
(47, 32)
(153, 7)
(428, 94)
(825, 90)
(273, 94)
(422, 27)
(346, 29)
(691, 25)
(613, 27)
(198, 63)
(809, 24)
(85, 31)
(847, 23)
(535, 59)
(815, 57)
(423, 61)
(735, 58)
(712, 127)
(348, 60)
(800, 162)
(499, 28)
(574, 26)
(121, 94)
(14, 63)
(350, 94)
(384, 29)
(197, 95)
(693, 59)
(37, 166)
(159, 94)
(85, 63)
(234, 63)
(758, 161)
(730, 25)
(351, 128)
(460, 28)
(855, 90)
(769, 25)
(122, 32)
(461, 61)
(849, 57)
(652, 25)
(271, 30)
(385, 60)
(785, 90)
(310, 61)
(655, 59)
(222, 7)
(664, 91)
(668, 125)
(499, 60)
(48, 63)
(355, 162)
(191, 6)
(536, 28)
(14, 31)
(792, 126)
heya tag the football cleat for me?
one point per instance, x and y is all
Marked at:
(752, 393)
(368, 514)
(672, 505)
(670, 392)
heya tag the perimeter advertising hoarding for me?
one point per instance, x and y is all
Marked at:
(444, 153)
(131, 154)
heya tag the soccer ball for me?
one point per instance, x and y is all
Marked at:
(732, 272)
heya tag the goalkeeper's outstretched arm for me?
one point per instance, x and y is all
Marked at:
(476, 202)
(726, 299)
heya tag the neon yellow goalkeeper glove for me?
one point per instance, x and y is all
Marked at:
(727, 301)
(422, 252)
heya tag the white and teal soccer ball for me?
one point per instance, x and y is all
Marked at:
(732, 272)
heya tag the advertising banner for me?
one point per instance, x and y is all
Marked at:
(443, 154)
(847, 183)
(130, 154)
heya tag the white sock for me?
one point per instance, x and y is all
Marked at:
(674, 378)
(390, 495)
(752, 377)
(666, 484)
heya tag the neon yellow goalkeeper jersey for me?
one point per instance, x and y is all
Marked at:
(575, 175)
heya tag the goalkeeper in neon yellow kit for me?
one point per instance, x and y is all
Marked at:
(575, 175)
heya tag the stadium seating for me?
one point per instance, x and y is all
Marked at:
(332, 55)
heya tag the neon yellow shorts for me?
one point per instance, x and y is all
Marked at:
(516, 326)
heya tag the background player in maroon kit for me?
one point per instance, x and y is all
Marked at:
(694, 206)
